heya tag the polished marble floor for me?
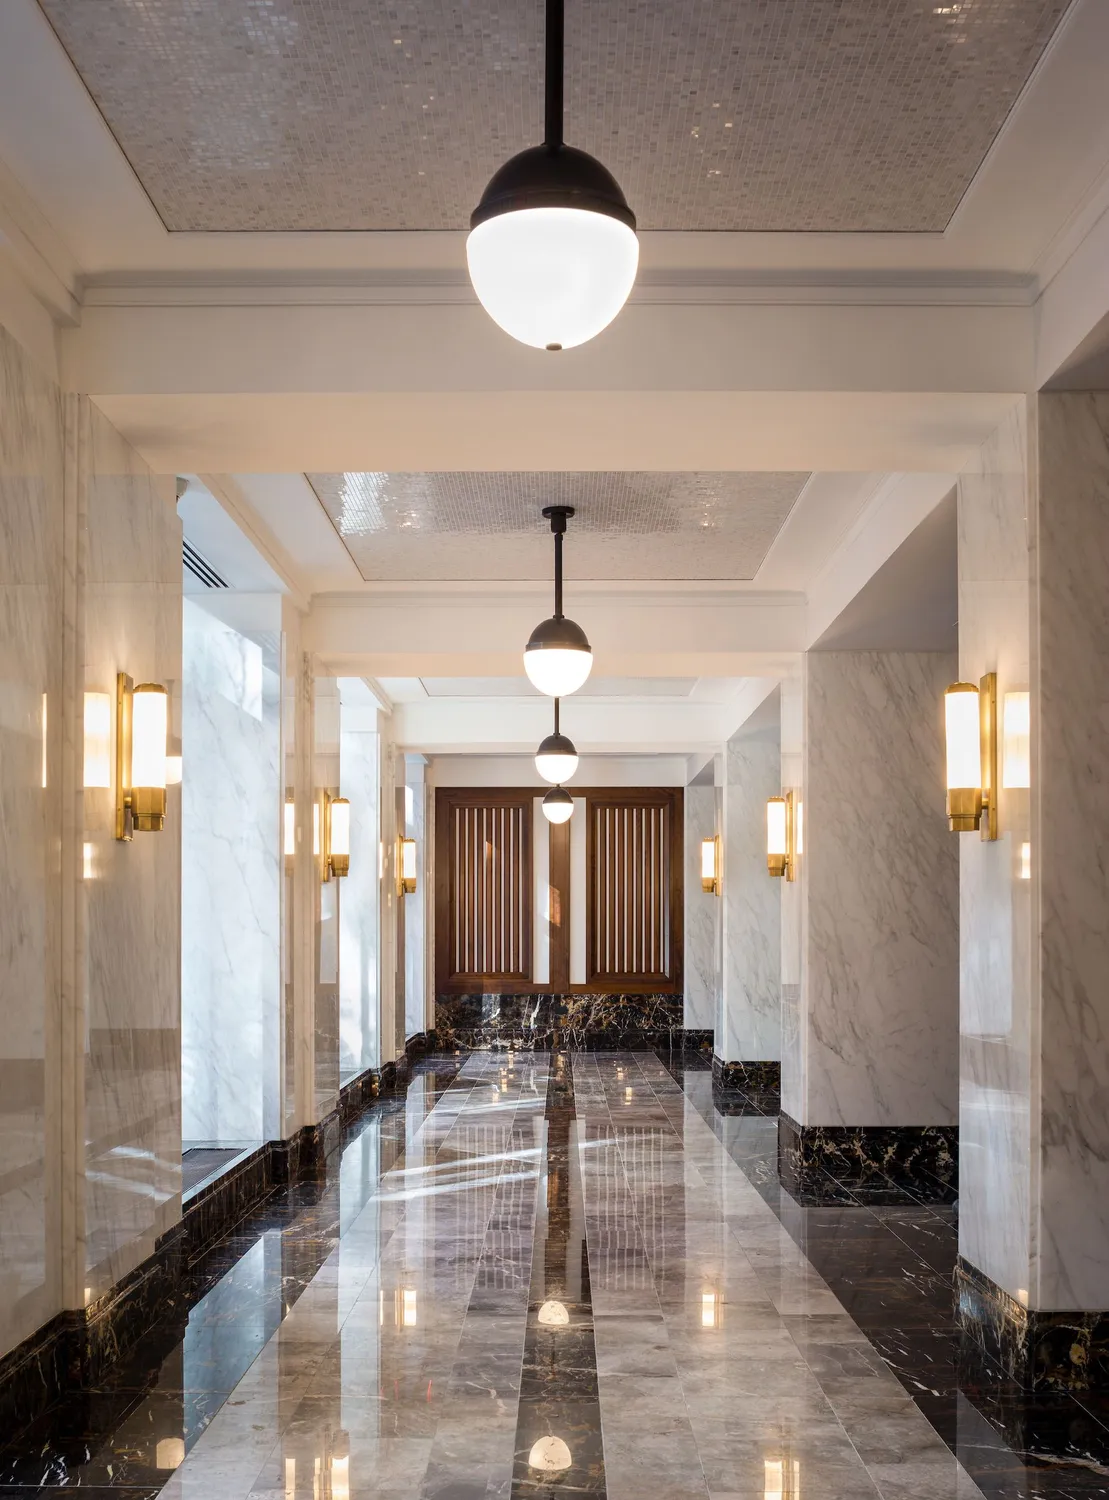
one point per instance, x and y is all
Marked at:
(540, 1276)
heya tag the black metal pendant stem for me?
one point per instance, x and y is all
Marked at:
(554, 65)
(557, 701)
(558, 575)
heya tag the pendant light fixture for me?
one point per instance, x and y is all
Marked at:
(552, 248)
(556, 759)
(558, 805)
(558, 657)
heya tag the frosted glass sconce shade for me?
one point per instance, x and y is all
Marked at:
(406, 867)
(970, 730)
(710, 868)
(1017, 752)
(98, 740)
(142, 722)
(780, 836)
(338, 841)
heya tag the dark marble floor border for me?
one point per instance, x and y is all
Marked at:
(738, 1087)
(1035, 1350)
(876, 1163)
(76, 1348)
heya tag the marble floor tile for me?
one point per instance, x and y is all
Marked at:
(563, 1275)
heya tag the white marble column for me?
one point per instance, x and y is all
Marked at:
(749, 1029)
(417, 1016)
(1034, 607)
(702, 918)
(359, 917)
(876, 1026)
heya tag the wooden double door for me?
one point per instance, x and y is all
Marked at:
(601, 895)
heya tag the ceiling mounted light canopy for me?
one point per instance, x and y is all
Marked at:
(558, 805)
(556, 760)
(558, 658)
(552, 249)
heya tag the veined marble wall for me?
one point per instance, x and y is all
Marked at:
(231, 1000)
(358, 898)
(132, 922)
(879, 991)
(701, 969)
(1034, 558)
(416, 1015)
(326, 720)
(750, 1022)
(31, 571)
(996, 911)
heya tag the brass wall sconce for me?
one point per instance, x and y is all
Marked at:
(336, 837)
(781, 836)
(406, 866)
(142, 720)
(970, 721)
(710, 866)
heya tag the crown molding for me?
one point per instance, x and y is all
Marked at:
(701, 288)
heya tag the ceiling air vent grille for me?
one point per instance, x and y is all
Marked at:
(201, 569)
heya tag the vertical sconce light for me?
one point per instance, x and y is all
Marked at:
(336, 856)
(98, 740)
(710, 866)
(1016, 762)
(781, 848)
(970, 721)
(406, 867)
(290, 830)
(142, 719)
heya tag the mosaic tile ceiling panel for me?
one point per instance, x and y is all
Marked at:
(630, 525)
(803, 115)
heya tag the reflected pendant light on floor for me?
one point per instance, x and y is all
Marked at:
(558, 657)
(552, 248)
(558, 805)
(556, 759)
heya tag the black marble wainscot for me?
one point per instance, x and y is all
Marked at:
(739, 1087)
(868, 1163)
(585, 1022)
(1035, 1351)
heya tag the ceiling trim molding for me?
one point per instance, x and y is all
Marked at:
(483, 594)
(1004, 289)
(224, 489)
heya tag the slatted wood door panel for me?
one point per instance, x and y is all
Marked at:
(483, 890)
(634, 899)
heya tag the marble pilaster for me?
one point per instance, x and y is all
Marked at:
(871, 1048)
(416, 903)
(1034, 549)
(358, 922)
(702, 928)
(749, 1028)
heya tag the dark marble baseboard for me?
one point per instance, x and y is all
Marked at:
(868, 1163)
(1034, 1350)
(583, 1022)
(740, 1087)
(75, 1349)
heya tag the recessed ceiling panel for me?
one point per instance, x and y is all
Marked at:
(819, 115)
(490, 525)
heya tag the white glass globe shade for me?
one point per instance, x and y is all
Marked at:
(552, 277)
(557, 673)
(557, 809)
(556, 768)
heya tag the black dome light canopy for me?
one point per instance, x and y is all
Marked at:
(558, 657)
(552, 249)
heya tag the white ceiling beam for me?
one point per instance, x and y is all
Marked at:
(515, 726)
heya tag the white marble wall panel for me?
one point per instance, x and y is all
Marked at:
(416, 903)
(879, 995)
(995, 1117)
(358, 905)
(132, 623)
(326, 720)
(230, 882)
(1070, 770)
(750, 1022)
(701, 977)
(31, 571)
